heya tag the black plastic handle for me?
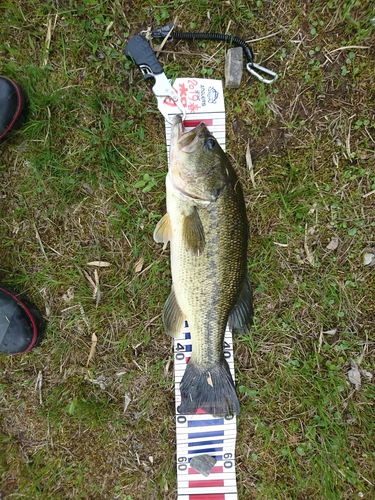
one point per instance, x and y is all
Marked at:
(140, 51)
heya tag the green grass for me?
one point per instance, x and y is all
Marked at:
(84, 181)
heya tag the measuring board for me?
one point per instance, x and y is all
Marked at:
(202, 434)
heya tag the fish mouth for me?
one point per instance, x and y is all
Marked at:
(177, 130)
(184, 141)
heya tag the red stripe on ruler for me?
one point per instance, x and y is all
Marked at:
(217, 469)
(195, 123)
(208, 496)
(210, 483)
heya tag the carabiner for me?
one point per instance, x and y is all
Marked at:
(250, 68)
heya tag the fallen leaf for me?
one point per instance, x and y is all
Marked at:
(68, 295)
(280, 244)
(100, 381)
(333, 244)
(366, 374)
(127, 400)
(139, 265)
(312, 209)
(368, 259)
(94, 340)
(99, 263)
(89, 279)
(309, 253)
(330, 332)
(350, 419)
(354, 375)
(98, 297)
(364, 155)
(167, 365)
(249, 163)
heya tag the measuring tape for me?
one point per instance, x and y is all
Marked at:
(202, 438)
(203, 434)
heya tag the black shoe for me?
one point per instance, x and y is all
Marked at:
(14, 106)
(21, 324)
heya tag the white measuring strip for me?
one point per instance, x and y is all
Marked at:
(203, 434)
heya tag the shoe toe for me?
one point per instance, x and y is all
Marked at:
(13, 107)
(18, 329)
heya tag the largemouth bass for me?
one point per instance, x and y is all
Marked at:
(207, 228)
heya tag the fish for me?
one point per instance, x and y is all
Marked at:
(207, 228)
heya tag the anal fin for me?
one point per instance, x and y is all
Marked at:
(173, 317)
(241, 316)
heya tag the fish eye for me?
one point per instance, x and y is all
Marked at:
(210, 144)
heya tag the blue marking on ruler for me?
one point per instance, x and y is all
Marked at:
(195, 435)
(206, 443)
(188, 348)
(187, 336)
(203, 423)
(205, 450)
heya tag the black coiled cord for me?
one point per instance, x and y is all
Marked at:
(163, 32)
(218, 37)
(261, 73)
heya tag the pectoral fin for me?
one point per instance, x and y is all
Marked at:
(173, 317)
(193, 233)
(241, 317)
(163, 230)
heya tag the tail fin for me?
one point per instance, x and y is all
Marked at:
(211, 390)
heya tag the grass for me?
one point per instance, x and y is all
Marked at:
(84, 181)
